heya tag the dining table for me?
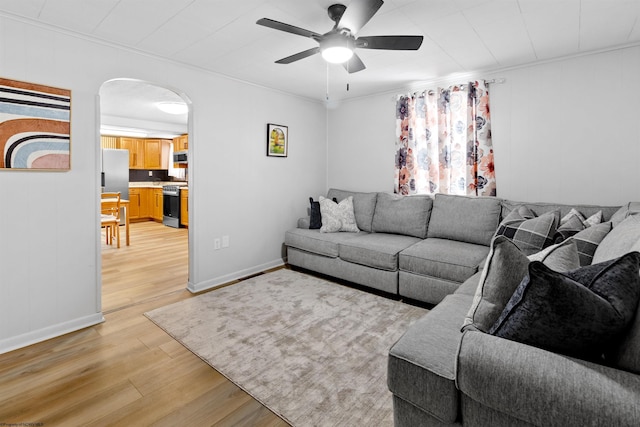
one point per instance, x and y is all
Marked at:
(124, 203)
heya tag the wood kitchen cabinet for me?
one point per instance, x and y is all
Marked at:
(136, 149)
(184, 207)
(181, 143)
(139, 203)
(156, 204)
(156, 154)
(143, 153)
(134, 203)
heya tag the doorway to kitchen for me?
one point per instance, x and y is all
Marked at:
(144, 150)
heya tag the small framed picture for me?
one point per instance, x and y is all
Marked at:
(277, 140)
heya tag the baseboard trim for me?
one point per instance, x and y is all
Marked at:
(224, 280)
(33, 337)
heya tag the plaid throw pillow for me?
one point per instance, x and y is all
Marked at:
(588, 240)
(530, 234)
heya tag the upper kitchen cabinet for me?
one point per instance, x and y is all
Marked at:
(181, 143)
(156, 154)
(136, 151)
(143, 153)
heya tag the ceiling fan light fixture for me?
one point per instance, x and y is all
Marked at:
(173, 107)
(337, 54)
(337, 48)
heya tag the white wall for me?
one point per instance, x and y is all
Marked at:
(49, 247)
(564, 131)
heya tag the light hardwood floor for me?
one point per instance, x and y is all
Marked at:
(126, 371)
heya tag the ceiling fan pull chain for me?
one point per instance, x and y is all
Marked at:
(327, 81)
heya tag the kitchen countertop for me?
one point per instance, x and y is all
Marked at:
(156, 184)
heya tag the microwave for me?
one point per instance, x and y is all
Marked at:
(180, 157)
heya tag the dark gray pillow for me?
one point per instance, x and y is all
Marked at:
(582, 313)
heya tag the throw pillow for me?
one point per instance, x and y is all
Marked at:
(594, 219)
(620, 240)
(337, 216)
(530, 233)
(581, 313)
(588, 241)
(504, 269)
(569, 225)
(315, 217)
(561, 257)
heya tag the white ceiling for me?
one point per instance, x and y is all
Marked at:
(461, 36)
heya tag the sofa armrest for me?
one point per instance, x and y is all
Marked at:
(304, 222)
(545, 388)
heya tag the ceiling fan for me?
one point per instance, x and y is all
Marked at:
(338, 45)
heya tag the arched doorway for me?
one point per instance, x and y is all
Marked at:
(134, 130)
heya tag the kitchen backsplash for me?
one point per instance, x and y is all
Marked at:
(142, 175)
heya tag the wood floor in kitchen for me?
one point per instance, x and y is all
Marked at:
(126, 371)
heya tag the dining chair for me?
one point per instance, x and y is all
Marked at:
(110, 216)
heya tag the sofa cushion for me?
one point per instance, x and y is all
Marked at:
(503, 271)
(446, 259)
(364, 205)
(627, 355)
(470, 285)
(422, 363)
(620, 240)
(313, 241)
(540, 388)
(408, 215)
(588, 240)
(377, 250)
(624, 211)
(465, 219)
(337, 216)
(580, 313)
(529, 232)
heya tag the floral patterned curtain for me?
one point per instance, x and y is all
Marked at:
(444, 143)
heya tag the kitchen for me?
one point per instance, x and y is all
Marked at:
(144, 157)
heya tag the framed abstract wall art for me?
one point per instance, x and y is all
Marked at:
(35, 126)
(277, 140)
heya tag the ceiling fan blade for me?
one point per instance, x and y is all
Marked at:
(276, 25)
(390, 42)
(358, 13)
(354, 65)
(298, 56)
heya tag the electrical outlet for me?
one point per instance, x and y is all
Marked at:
(225, 241)
(216, 244)
(150, 173)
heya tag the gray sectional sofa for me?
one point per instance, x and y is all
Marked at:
(415, 247)
(434, 250)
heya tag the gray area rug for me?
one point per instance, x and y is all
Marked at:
(312, 351)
